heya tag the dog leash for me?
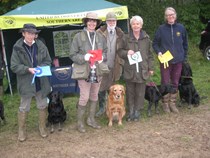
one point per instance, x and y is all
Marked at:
(186, 77)
(155, 86)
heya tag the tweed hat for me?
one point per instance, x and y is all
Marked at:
(111, 16)
(91, 15)
(29, 28)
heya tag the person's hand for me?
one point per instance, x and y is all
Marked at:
(131, 52)
(100, 61)
(151, 73)
(160, 54)
(32, 70)
(87, 56)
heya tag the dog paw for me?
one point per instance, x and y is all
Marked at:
(110, 124)
(119, 123)
(52, 131)
(189, 106)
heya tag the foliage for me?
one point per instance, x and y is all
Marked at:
(189, 14)
(7, 5)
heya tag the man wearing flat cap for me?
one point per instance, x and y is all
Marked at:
(29, 53)
(83, 42)
(112, 34)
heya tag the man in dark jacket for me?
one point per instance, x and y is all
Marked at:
(29, 53)
(115, 64)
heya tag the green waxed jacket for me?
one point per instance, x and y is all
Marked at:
(143, 45)
(20, 63)
(81, 45)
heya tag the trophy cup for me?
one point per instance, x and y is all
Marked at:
(96, 56)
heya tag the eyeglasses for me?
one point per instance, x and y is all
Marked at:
(169, 15)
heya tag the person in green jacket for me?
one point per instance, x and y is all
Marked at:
(138, 47)
(29, 53)
(84, 41)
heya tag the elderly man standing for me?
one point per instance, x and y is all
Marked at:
(112, 33)
(29, 53)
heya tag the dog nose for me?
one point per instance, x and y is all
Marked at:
(118, 96)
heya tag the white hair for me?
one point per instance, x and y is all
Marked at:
(137, 18)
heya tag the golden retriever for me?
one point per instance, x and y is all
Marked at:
(115, 108)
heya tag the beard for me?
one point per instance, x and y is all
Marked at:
(111, 27)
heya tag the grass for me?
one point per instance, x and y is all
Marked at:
(201, 79)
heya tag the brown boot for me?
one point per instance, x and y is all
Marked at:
(80, 118)
(172, 103)
(42, 122)
(91, 118)
(22, 126)
(165, 103)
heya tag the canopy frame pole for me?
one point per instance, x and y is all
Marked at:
(5, 61)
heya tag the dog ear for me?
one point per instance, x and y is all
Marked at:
(123, 89)
(111, 89)
(60, 94)
(49, 95)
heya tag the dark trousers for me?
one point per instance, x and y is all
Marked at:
(171, 74)
(135, 95)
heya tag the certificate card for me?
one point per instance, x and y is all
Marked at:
(167, 56)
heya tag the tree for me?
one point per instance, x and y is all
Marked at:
(7, 5)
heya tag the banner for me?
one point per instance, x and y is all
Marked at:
(61, 80)
(17, 21)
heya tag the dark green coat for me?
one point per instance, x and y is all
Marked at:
(20, 63)
(81, 45)
(143, 45)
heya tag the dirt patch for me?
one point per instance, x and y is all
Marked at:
(185, 135)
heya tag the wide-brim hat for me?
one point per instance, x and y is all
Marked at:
(91, 15)
(111, 16)
(29, 28)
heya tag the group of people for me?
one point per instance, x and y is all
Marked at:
(28, 53)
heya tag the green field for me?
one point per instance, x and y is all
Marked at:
(201, 79)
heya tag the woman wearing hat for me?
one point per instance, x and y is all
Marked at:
(29, 53)
(86, 40)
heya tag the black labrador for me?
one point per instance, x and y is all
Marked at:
(2, 112)
(187, 91)
(56, 111)
(153, 93)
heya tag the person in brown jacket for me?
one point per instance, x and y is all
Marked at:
(136, 45)
(112, 34)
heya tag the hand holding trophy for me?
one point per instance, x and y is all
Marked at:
(95, 55)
